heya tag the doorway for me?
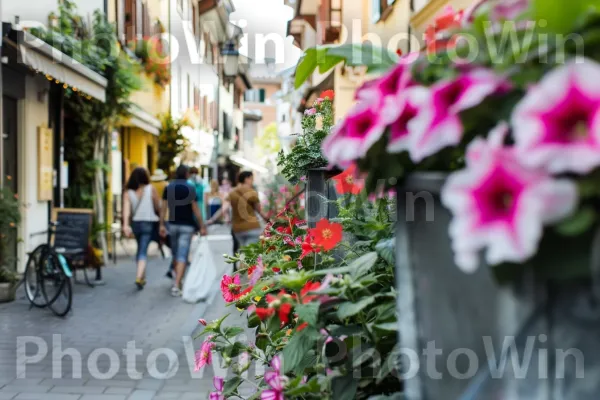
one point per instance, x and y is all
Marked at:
(9, 158)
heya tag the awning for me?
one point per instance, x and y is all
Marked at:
(141, 119)
(44, 58)
(242, 162)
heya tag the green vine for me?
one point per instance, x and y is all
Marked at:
(97, 48)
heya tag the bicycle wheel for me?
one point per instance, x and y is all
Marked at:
(32, 279)
(56, 285)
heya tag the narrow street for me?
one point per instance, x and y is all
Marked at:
(104, 320)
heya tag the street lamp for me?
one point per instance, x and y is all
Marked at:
(231, 60)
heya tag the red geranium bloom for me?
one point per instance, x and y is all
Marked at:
(301, 326)
(308, 247)
(284, 313)
(264, 313)
(251, 270)
(346, 183)
(276, 269)
(327, 234)
(230, 288)
(309, 287)
(328, 94)
(284, 230)
(434, 35)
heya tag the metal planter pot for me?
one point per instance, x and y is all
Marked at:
(470, 317)
(320, 191)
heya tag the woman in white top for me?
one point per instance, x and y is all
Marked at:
(141, 207)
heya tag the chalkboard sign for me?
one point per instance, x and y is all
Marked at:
(73, 228)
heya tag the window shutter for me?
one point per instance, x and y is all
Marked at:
(262, 94)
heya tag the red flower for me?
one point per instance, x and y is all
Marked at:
(308, 246)
(251, 270)
(230, 288)
(284, 230)
(326, 234)
(346, 183)
(284, 313)
(264, 313)
(309, 287)
(276, 269)
(302, 326)
(328, 94)
(436, 36)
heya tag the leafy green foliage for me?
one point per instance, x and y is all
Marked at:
(306, 154)
(376, 59)
(10, 217)
(342, 322)
(171, 141)
(97, 48)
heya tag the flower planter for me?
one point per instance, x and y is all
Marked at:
(438, 303)
(319, 191)
(7, 292)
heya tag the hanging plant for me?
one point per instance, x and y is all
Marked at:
(171, 141)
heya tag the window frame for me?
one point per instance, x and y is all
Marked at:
(383, 11)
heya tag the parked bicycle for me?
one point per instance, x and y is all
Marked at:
(48, 277)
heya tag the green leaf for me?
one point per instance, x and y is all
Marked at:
(578, 223)
(312, 386)
(344, 387)
(387, 326)
(349, 309)
(389, 365)
(234, 350)
(296, 349)
(308, 361)
(363, 264)
(562, 16)
(231, 386)
(232, 331)
(308, 313)
(357, 54)
(386, 249)
(306, 66)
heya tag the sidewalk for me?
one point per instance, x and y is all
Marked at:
(82, 356)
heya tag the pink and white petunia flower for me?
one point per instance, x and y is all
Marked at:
(389, 85)
(438, 124)
(557, 124)
(276, 380)
(400, 134)
(500, 205)
(354, 136)
(218, 383)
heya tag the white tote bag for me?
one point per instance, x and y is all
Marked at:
(201, 275)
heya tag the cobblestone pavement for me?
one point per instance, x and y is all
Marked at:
(81, 357)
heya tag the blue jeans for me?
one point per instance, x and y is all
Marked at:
(143, 232)
(246, 238)
(181, 239)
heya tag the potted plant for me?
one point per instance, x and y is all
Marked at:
(306, 163)
(8, 283)
(496, 154)
(9, 219)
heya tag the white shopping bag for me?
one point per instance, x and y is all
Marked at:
(201, 275)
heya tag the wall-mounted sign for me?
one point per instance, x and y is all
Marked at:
(45, 164)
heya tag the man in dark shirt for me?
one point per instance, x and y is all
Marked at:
(185, 219)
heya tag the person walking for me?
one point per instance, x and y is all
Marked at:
(245, 206)
(140, 217)
(214, 199)
(196, 181)
(185, 220)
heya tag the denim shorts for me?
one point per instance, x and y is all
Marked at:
(246, 238)
(181, 238)
(143, 232)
